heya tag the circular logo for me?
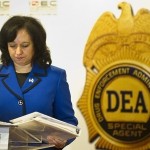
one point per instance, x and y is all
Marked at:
(121, 104)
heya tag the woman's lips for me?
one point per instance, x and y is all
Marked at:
(19, 58)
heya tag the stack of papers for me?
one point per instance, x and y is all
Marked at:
(31, 131)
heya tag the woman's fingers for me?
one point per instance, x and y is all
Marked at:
(59, 143)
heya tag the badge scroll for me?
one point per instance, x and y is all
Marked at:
(116, 98)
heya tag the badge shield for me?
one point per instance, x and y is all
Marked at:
(116, 98)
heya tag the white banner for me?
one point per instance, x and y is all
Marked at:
(4, 7)
(30, 7)
(43, 7)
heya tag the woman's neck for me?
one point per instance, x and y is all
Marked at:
(23, 69)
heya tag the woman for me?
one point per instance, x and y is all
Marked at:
(28, 81)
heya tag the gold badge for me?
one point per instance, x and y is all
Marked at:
(116, 98)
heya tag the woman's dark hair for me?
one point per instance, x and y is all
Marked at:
(37, 33)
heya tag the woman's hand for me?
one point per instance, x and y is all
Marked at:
(58, 142)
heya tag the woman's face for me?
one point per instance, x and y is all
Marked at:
(21, 49)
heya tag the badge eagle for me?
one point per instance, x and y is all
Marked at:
(116, 98)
